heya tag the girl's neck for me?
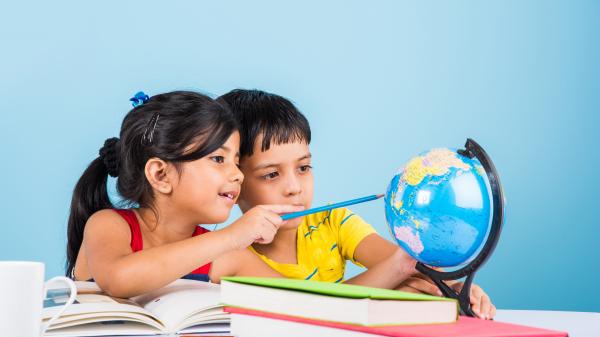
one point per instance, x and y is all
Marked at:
(164, 227)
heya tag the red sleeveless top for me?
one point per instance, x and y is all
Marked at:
(137, 243)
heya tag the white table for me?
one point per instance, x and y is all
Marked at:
(577, 324)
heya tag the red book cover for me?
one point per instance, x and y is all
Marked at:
(464, 327)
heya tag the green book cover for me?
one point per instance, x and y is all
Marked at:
(334, 289)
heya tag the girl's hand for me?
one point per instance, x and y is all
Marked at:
(259, 224)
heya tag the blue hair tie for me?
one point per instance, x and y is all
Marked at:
(139, 99)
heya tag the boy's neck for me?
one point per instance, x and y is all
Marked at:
(283, 247)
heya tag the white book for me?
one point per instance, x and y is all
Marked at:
(255, 326)
(184, 306)
(337, 302)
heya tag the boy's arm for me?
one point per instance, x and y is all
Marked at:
(387, 264)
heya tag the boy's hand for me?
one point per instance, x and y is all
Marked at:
(419, 284)
(481, 303)
(259, 224)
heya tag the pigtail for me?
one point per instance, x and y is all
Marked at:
(89, 196)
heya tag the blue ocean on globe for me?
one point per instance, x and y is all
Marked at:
(438, 207)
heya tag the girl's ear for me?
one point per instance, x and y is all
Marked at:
(157, 173)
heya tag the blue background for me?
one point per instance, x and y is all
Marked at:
(379, 82)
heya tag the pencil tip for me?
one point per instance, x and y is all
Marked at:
(379, 196)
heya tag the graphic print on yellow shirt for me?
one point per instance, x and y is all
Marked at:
(325, 241)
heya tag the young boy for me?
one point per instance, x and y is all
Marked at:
(276, 161)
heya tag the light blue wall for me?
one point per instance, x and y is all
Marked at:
(379, 81)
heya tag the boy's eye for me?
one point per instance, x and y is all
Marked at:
(305, 168)
(270, 176)
(218, 159)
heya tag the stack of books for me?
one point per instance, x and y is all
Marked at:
(262, 307)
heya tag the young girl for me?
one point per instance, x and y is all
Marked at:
(176, 164)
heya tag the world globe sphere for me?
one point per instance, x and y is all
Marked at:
(437, 207)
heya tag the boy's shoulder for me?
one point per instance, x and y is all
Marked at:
(335, 217)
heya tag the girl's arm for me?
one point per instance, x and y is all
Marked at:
(123, 274)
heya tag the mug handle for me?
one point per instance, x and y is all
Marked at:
(72, 295)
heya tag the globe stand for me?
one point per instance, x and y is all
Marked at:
(472, 149)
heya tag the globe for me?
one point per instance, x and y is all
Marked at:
(437, 207)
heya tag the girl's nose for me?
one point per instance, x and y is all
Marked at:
(237, 175)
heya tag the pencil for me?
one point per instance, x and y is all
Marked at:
(293, 215)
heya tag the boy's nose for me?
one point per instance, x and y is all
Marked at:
(293, 186)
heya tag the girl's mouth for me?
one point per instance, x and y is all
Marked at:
(231, 195)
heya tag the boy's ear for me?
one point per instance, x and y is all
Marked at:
(156, 171)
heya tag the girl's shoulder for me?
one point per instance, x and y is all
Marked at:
(107, 221)
(108, 214)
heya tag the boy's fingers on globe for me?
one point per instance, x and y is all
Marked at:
(423, 277)
(492, 312)
(430, 287)
(475, 307)
(409, 289)
(480, 302)
(423, 286)
(486, 306)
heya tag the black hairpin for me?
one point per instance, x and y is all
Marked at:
(149, 131)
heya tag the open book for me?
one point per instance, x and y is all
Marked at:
(184, 306)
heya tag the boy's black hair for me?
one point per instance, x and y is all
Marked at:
(273, 116)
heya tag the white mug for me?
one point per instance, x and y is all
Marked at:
(22, 293)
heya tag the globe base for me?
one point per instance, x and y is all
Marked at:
(463, 297)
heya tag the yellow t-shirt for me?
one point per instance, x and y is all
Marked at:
(325, 241)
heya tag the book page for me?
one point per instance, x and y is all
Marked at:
(92, 305)
(100, 329)
(180, 300)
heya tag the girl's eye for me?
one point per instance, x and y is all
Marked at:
(270, 176)
(218, 159)
(305, 168)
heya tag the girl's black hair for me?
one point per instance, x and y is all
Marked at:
(176, 127)
(259, 112)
